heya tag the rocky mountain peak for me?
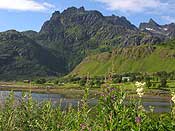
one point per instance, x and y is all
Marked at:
(81, 9)
(72, 10)
(150, 26)
(153, 23)
(120, 21)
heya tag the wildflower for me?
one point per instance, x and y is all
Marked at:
(173, 110)
(83, 126)
(141, 108)
(151, 108)
(139, 84)
(138, 120)
(173, 97)
(121, 101)
(140, 92)
(113, 97)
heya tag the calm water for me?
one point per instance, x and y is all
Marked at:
(161, 104)
(56, 99)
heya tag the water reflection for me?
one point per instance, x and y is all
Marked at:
(161, 104)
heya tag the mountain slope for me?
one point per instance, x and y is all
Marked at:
(22, 57)
(130, 59)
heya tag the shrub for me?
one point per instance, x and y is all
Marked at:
(82, 82)
(40, 81)
(163, 82)
(56, 82)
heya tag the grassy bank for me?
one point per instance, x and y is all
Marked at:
(76, 91)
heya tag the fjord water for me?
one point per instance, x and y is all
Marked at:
(160, 104)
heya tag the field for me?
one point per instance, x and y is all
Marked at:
(74, 90)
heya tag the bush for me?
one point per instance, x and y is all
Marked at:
(82, 82)
(40, 81)
(163, 82)
(148, 82)
(56, 82)
(117, 80)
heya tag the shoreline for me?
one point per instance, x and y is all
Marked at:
(73, 90)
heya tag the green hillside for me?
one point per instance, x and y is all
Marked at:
(22, 58)
(130, 59)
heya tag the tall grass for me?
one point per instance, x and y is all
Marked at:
(110, 114)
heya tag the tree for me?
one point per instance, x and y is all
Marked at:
(125, 80)
(41, 81)
(163, 82)
(132, 78)
(82, 82)
(148, 81)
(117, 80)
(56, 82)
(97, 82)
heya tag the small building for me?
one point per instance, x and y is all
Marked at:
(26, 81)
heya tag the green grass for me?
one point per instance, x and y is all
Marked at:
(133, 59)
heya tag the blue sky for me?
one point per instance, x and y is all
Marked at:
(31, 14)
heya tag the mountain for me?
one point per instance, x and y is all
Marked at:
(75, 32)
(70, 37)
(21, 57)
(163, 31)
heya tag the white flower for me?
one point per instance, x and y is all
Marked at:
(140, 92)
(173, 98)
(140, 107)
(139, 84)
(121, 101)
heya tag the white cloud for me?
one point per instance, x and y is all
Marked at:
(135, 5)
(169, 19)
(24, 5)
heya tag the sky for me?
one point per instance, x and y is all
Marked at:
(24, 15)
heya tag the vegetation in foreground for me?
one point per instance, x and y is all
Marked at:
(110, 114)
